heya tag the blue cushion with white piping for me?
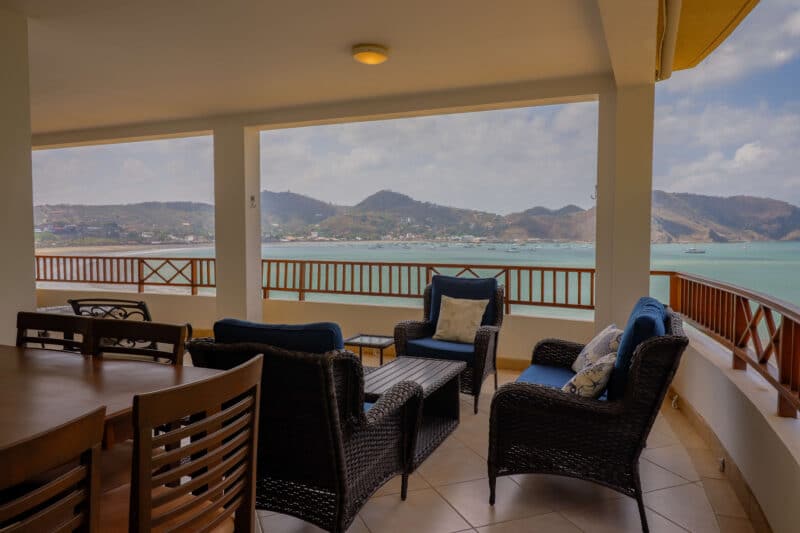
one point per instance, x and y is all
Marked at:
(647, 320)
(318, 337)
(471, 289)
(430, 347)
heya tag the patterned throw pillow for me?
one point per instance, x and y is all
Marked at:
(459, 319)
(592, 380)
(603, 343)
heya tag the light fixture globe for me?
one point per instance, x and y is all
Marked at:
(370, 54)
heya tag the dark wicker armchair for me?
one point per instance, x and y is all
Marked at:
(320, 454)
(481, 356)
(540, 429)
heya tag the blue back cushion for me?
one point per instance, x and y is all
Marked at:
(319, 337)
(647, 320)
(471, 289)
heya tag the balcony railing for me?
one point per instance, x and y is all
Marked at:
(761, 331)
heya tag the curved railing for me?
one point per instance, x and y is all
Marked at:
(762, 331)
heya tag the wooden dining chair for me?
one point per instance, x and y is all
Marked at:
(150, 341)
(199, 476)
(35, 330)
(51, 481)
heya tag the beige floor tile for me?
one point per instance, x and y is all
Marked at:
(473, 431)
(722, 497)
(423, 511)
(546, 523)
(658, 439)
(684, 430)
(393, 486)
(655, 477)
(732, 524)
(706, 464)
(618, 516)
(281, 523)
(561, 493)
(453, 464)
(675, 459)
(471, 500)
(685, 505)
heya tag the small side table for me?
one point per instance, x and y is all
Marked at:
(364, 340)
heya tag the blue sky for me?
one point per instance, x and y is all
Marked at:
(730, 126)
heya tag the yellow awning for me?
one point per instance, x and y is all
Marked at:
(703, 26)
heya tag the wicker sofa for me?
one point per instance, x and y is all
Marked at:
(537, 428)
(322, 452)
(414, 338)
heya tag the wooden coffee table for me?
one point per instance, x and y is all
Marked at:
(440, 405)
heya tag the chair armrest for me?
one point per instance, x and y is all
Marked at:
(411, 329)
(525, 400)
(485, 350)
(404, 394)
(555, 352)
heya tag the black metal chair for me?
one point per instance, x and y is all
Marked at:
(111, 308)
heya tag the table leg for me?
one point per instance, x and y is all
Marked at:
(361, 353)
(381, 363)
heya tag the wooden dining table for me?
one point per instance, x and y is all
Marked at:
(42, 389)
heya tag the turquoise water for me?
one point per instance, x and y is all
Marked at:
(769, 267)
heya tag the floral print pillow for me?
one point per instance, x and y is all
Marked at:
(603, 343)
(593, 379)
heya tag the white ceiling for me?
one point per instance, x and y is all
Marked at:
(98, 63)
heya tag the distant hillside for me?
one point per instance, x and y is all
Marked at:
(677, 217)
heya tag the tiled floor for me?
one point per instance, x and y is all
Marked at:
(685, 491)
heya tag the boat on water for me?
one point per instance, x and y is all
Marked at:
(492, 248)
(694, 251)
(513, 250)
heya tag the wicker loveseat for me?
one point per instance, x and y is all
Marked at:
(321, 451)
(537, 428)
(415, 338)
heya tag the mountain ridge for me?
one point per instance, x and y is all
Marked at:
(677, 217)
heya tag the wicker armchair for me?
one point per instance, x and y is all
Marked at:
(482, 357)
(540, 429)
(321, 455)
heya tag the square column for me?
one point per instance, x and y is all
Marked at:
(237, 222)
(17, 283)
(624, 198)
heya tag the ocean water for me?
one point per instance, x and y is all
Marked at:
(769, 267)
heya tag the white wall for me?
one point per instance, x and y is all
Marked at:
(16, 203)
(517, 337)
(741, 409)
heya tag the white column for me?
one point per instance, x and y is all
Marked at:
(624, 193)
(237, 223)
(17, 284)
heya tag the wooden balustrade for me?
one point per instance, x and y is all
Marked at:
(761, 331)
(525, 285)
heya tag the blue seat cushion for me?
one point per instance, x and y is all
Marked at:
(471, 289)
(647, 320)
(436, 349)
(554, 376)
(367, 406)
(319, 337)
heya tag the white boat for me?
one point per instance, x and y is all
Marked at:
(694, 251)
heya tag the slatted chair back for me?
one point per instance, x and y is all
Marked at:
(197, 474)
(37, 329)
(64, 462)
(151, 341)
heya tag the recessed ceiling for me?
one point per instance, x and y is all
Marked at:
(102, 63)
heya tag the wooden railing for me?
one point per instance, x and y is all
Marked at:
(761, 331)
(193, 273)
(525, 285)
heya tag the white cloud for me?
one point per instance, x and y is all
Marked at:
(498, 161)
(725, 150)
(768, 38)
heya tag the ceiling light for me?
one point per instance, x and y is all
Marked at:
(370, 54)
